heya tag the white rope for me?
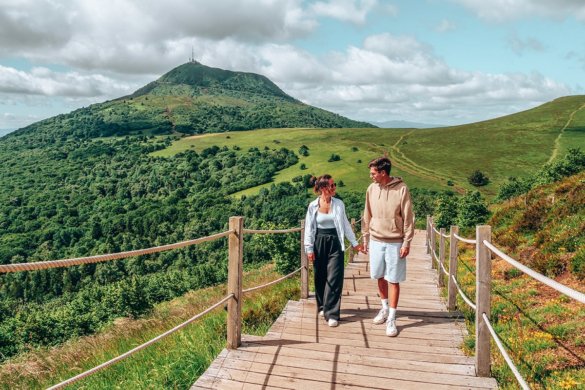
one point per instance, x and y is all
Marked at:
(443, 268)
(257, 231)
(99, 258)
(446, 235)
(435, 255)
(462, 294)
(436, 231)
(140, 347)
(579, 296)
(270, 283)
(467, 240)
(509, 361)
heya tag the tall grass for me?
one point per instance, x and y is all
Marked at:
(174, 362)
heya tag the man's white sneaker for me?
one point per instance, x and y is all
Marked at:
(332, 323)
(321, 314)
(381, 317)
(391, 330)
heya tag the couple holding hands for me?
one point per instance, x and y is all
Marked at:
(387, 228)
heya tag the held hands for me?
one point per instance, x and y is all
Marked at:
(311, 256)
(361, 248)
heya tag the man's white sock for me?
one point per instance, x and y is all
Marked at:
(385, 304)
(392, 313)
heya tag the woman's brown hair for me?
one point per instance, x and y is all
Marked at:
(319, 183)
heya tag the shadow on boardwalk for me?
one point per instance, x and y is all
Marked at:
(301, 352)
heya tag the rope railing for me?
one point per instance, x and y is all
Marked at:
(273, 282)
(264, 231)
(462, 294)
(235, 291)
(509, 361)
(140, 347)
(484, 329)
(579, 296)
(5, 268)
(467, 240)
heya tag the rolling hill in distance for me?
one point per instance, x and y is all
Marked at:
(438, 158)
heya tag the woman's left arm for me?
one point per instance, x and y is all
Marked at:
(347, 227)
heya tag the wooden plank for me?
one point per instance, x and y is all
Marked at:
(300, 351)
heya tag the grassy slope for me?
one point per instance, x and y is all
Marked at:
(321, 142)
(513, 145)
(543, 330)
(174, 362)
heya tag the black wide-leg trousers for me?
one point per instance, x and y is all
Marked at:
(328, 267)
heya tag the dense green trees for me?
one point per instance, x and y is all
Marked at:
(76, 198)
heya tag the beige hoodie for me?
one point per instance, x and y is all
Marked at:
(388, 215)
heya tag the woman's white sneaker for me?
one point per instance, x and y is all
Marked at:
(332, 323)
(381, 317)
(321, 314)
(391, 330)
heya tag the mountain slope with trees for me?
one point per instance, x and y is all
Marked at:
(190, 99)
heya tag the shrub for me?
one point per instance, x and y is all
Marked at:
(446, 211)
(303, 166)
(478, 178)
(304, 150)
(334, 157)
(472, 210)
(577, 264)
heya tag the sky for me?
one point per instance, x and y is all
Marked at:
(443, 62)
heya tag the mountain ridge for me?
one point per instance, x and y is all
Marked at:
(191, 99)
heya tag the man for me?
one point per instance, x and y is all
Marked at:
(388, 229)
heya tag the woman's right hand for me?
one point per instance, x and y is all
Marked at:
(311, 256)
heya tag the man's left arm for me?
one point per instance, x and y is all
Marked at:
(408, 222)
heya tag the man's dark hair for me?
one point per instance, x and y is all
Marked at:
(381, 164)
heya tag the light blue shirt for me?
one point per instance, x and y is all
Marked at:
(342, 225)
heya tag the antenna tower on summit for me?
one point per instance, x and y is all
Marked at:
(192, 58)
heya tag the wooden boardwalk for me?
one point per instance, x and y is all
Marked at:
(301, 352)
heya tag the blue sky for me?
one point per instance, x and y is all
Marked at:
(426, 61)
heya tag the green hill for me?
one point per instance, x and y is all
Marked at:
(439, 158)
(190, 99)
(543, 330)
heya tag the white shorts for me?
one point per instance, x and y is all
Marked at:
(385, 261)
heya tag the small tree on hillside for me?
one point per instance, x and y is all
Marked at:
(472, 210)
(334, 157)
(304, 150)
(478, 178)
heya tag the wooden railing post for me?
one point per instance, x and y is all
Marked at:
(483, 300)
(304, 265)
(351, 251)
(452, 300)
(441, 258)
(428, 245)
(236, 249)
(432, 231)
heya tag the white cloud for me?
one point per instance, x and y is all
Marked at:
(353, 11)
(504, 10)
(43, 81)
(129, 36)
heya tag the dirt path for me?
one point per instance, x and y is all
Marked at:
(557, 146)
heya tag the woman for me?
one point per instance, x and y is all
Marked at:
(326, 226)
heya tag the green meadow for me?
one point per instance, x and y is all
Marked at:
(439, 158)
